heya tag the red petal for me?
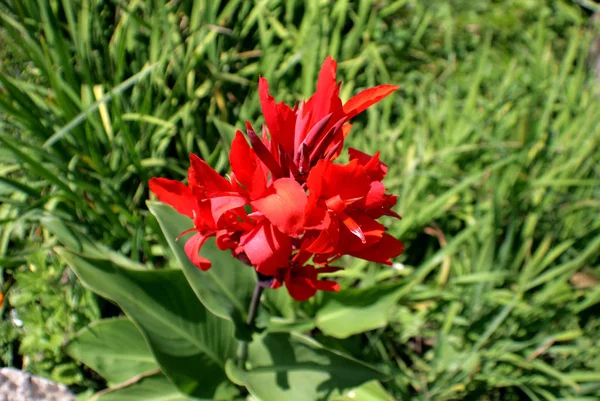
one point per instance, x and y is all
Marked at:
(220, 205)
(192, 249)
(300, 129)
(204, 176)
(267, 248)
(377, 203)
(287, 123)
(263, 152)
(241, 160)
(301, 257)
(326, 98)
(236, 186)
(366, 98)
(323, 241)
(327, 91)
(316, 218)
(325, 258)
(349, 181)
(352, 226)
(372, 230)
(268, 106)
(174, 193)
(246, 166)
(203, 217)
(335, 149)
(327, 285)
(329, 269)
(332, 136)
(276, 283)
(389, 247)
(225, 240)
(316, 132)
(316, 215)
(283, 205)
(301, 289)
(300, 282)
(279, 117)
(315, 182)
(327, 76)
(375, 168)
(375, 198)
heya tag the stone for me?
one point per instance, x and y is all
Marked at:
(16, 385)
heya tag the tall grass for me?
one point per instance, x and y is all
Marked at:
(492, 142)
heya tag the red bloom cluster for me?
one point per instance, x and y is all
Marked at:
(286, 204)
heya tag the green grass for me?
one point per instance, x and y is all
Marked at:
(492, 143)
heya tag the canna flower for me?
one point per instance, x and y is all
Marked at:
(287, 210)
(302, 281)
(316, 129)
(343, 204)
(210, 201)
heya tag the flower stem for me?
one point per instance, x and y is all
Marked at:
(243, 347)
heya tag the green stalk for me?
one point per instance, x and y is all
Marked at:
(252, 311)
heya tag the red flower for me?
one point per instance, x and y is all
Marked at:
(286, 203)
(302, 282)
(209, 199)
(343, 202)
(316, 129)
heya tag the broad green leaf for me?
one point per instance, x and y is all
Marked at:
(371, 391)
(114, 348)
(152, 388)
(226, 289)
(284, 366)
(354, 311)
(190, 344)
(279, 303)
(276, 324)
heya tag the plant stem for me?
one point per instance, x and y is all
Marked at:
(243, 347)
(258, 290)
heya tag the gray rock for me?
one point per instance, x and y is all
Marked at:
(16, 385)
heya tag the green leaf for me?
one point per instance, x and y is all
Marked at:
(77, 242)
(114, 348)
(152, 388)
(190, 344)
(354, 311)
(295, 367)
(35, 165)
(226, 131)
(279, 302)
(371, 391)
(226, 289)
(116, 91)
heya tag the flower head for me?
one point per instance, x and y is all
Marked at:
(287, 209)
(315, 129)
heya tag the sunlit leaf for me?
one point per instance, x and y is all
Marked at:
(189, 343)
(225, 289)
(285, 366)
(114, 348)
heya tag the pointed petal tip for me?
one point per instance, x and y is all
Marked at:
(367, 98)
(174, 193)
(327, 285)
(263, 83)
(192, 249)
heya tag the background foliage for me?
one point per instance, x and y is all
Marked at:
(492, 142)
